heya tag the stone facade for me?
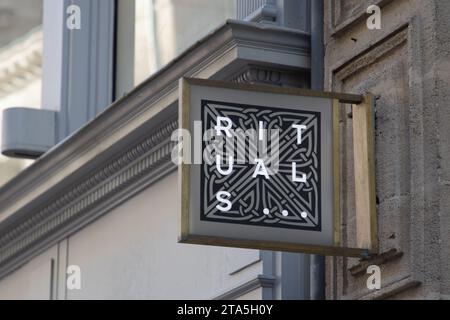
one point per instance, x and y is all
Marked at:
(406, 65)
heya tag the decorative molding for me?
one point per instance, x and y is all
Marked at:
(271, 76)
(144, 158)
(372, 54)
(378, 260)
(338, 28)
(261, 281)
(20, 63)
(392, 289)
(133, 162)
(95, 169)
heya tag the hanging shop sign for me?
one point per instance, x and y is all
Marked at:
(260, 168)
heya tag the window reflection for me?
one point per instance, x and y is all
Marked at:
(20, 66)
(163, 29)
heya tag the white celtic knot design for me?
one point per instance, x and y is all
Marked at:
(277, 201)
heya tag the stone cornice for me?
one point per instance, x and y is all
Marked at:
(128, 147)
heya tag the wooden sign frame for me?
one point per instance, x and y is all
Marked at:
(364, 164)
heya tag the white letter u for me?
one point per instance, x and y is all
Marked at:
(230, 165)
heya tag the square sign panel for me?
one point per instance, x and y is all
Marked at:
(276, 200)
(259, 167)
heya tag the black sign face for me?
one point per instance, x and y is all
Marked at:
(264, 187)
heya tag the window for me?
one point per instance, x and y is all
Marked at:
(151, 33)
(20, 65)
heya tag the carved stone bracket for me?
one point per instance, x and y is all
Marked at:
(271, 76)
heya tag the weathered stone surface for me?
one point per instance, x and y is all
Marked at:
(405, 64)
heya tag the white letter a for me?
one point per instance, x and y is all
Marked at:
(261, 169)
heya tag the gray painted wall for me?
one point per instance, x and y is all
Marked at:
(33, 281)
